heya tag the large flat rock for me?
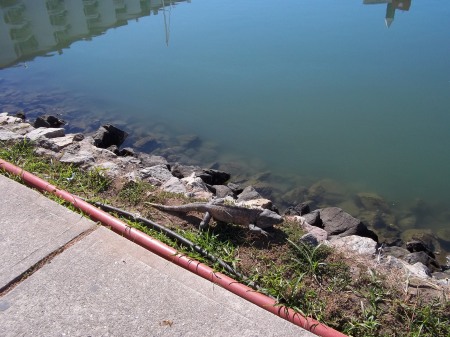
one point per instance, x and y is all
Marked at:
(105, 285)
(31, 228)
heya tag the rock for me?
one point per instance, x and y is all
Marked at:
(174, 185)
(196, 187)
(249, 193)
(327, 191)
(372, 202)
(375, 219)
(299, 209)
(309, 239)
(355, 243)
(214, 177)
(21, 115)
(5, 119)
(257, 203)
(45, 133)
(320, 234)
(442, 278)
(395, 251)
(418, 269)
(6, 135)
(48, 121)
(183, 171)
(407, 222)
(419, 246)
(443, 234)
(151, 160)
(222, 191)
(159, 172)
(108, 135)
(78, 137)
(55, 144)
(350, 206)
(79, 158)
(126, 152)
(313, 219)
(338, 223)
(423, 258)
(113, 148)
(147, 144)
(111, 169)
(189, 141)
(425, 235)
(235, 188)
(295, 195)
(20, 128)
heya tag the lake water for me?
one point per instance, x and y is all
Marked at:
(356, 92)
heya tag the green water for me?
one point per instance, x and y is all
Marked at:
(304, 89)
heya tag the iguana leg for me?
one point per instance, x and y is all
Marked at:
(205, 222)
(257, 229)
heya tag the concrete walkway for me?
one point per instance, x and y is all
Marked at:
(63, 275)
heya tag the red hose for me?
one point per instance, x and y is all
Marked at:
(174, 256)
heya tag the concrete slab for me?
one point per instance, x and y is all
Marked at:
(32, 227)
(105, 285)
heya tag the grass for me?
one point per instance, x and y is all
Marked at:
(315, 281)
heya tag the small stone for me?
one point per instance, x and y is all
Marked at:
(78, 137)
(127, 152)
(309, 239)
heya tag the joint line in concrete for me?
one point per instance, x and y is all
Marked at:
(42, 262)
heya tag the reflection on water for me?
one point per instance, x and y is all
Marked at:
(391, 7)
(36, 27)
(29, 28)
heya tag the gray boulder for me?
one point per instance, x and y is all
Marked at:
(222, 191)
(159, 174)
(338, 223)
(108, 135)
(423, 258)
(249, 193)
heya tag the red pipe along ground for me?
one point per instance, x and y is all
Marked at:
(174, 256)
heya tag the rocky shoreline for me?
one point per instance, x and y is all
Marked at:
(373, 237)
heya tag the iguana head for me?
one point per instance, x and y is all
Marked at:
(268, 218)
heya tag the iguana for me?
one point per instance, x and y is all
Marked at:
(256, 219)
